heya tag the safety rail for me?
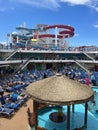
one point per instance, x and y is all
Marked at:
(11, 55)
(81, 66)
(22, 65)
(88, 56)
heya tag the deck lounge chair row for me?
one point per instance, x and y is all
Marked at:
(6, 112)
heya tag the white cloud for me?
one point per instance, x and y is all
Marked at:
(76, 2)
(4, 43)
(96, 25)
(96, 9)
(6, 6)
(49, 4)
(3, 9)
(89, 3)
(76, 34)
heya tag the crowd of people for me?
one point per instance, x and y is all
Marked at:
(15, 84)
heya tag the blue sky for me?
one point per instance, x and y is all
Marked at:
(80, 14)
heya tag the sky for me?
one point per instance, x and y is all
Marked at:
(82, 15)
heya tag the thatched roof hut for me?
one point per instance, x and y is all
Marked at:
(60, 90)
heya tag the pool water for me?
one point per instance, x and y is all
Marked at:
(76, 118)
(94, 107)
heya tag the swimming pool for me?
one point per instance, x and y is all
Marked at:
(93, 108)
(76, 120)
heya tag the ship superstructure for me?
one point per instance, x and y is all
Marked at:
(46, 46)
(43, 36)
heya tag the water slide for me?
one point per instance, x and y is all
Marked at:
(7, 58)
(67, 32)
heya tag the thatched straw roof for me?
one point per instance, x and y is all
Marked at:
(59, 90)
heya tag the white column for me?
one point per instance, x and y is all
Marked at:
(56, 33)
(68, 40)
(7, 39)
(63, 39)
(17, 39)
(11, 41)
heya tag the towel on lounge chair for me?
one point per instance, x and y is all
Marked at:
(14, 97)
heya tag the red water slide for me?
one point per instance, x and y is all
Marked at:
(49, 36)
(68, 31)
(59, 26)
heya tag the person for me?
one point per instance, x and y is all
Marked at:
(28, 112)
(87, 81)
(96, 111)
(93, 103)
(2, 100)
(15, 96)
(44, 76)
(93, 79)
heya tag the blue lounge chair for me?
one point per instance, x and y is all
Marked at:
(20, 102)
(6, 112)
(14, 106)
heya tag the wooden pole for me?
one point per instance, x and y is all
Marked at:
(73, 108)
(68, 117)
(86, 114)
(36, 114)
(33, 106)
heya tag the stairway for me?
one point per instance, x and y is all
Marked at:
(22, 65)
(11, 55)
(76, 61)
(88, 56)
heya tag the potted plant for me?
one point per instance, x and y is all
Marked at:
(60, 115)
